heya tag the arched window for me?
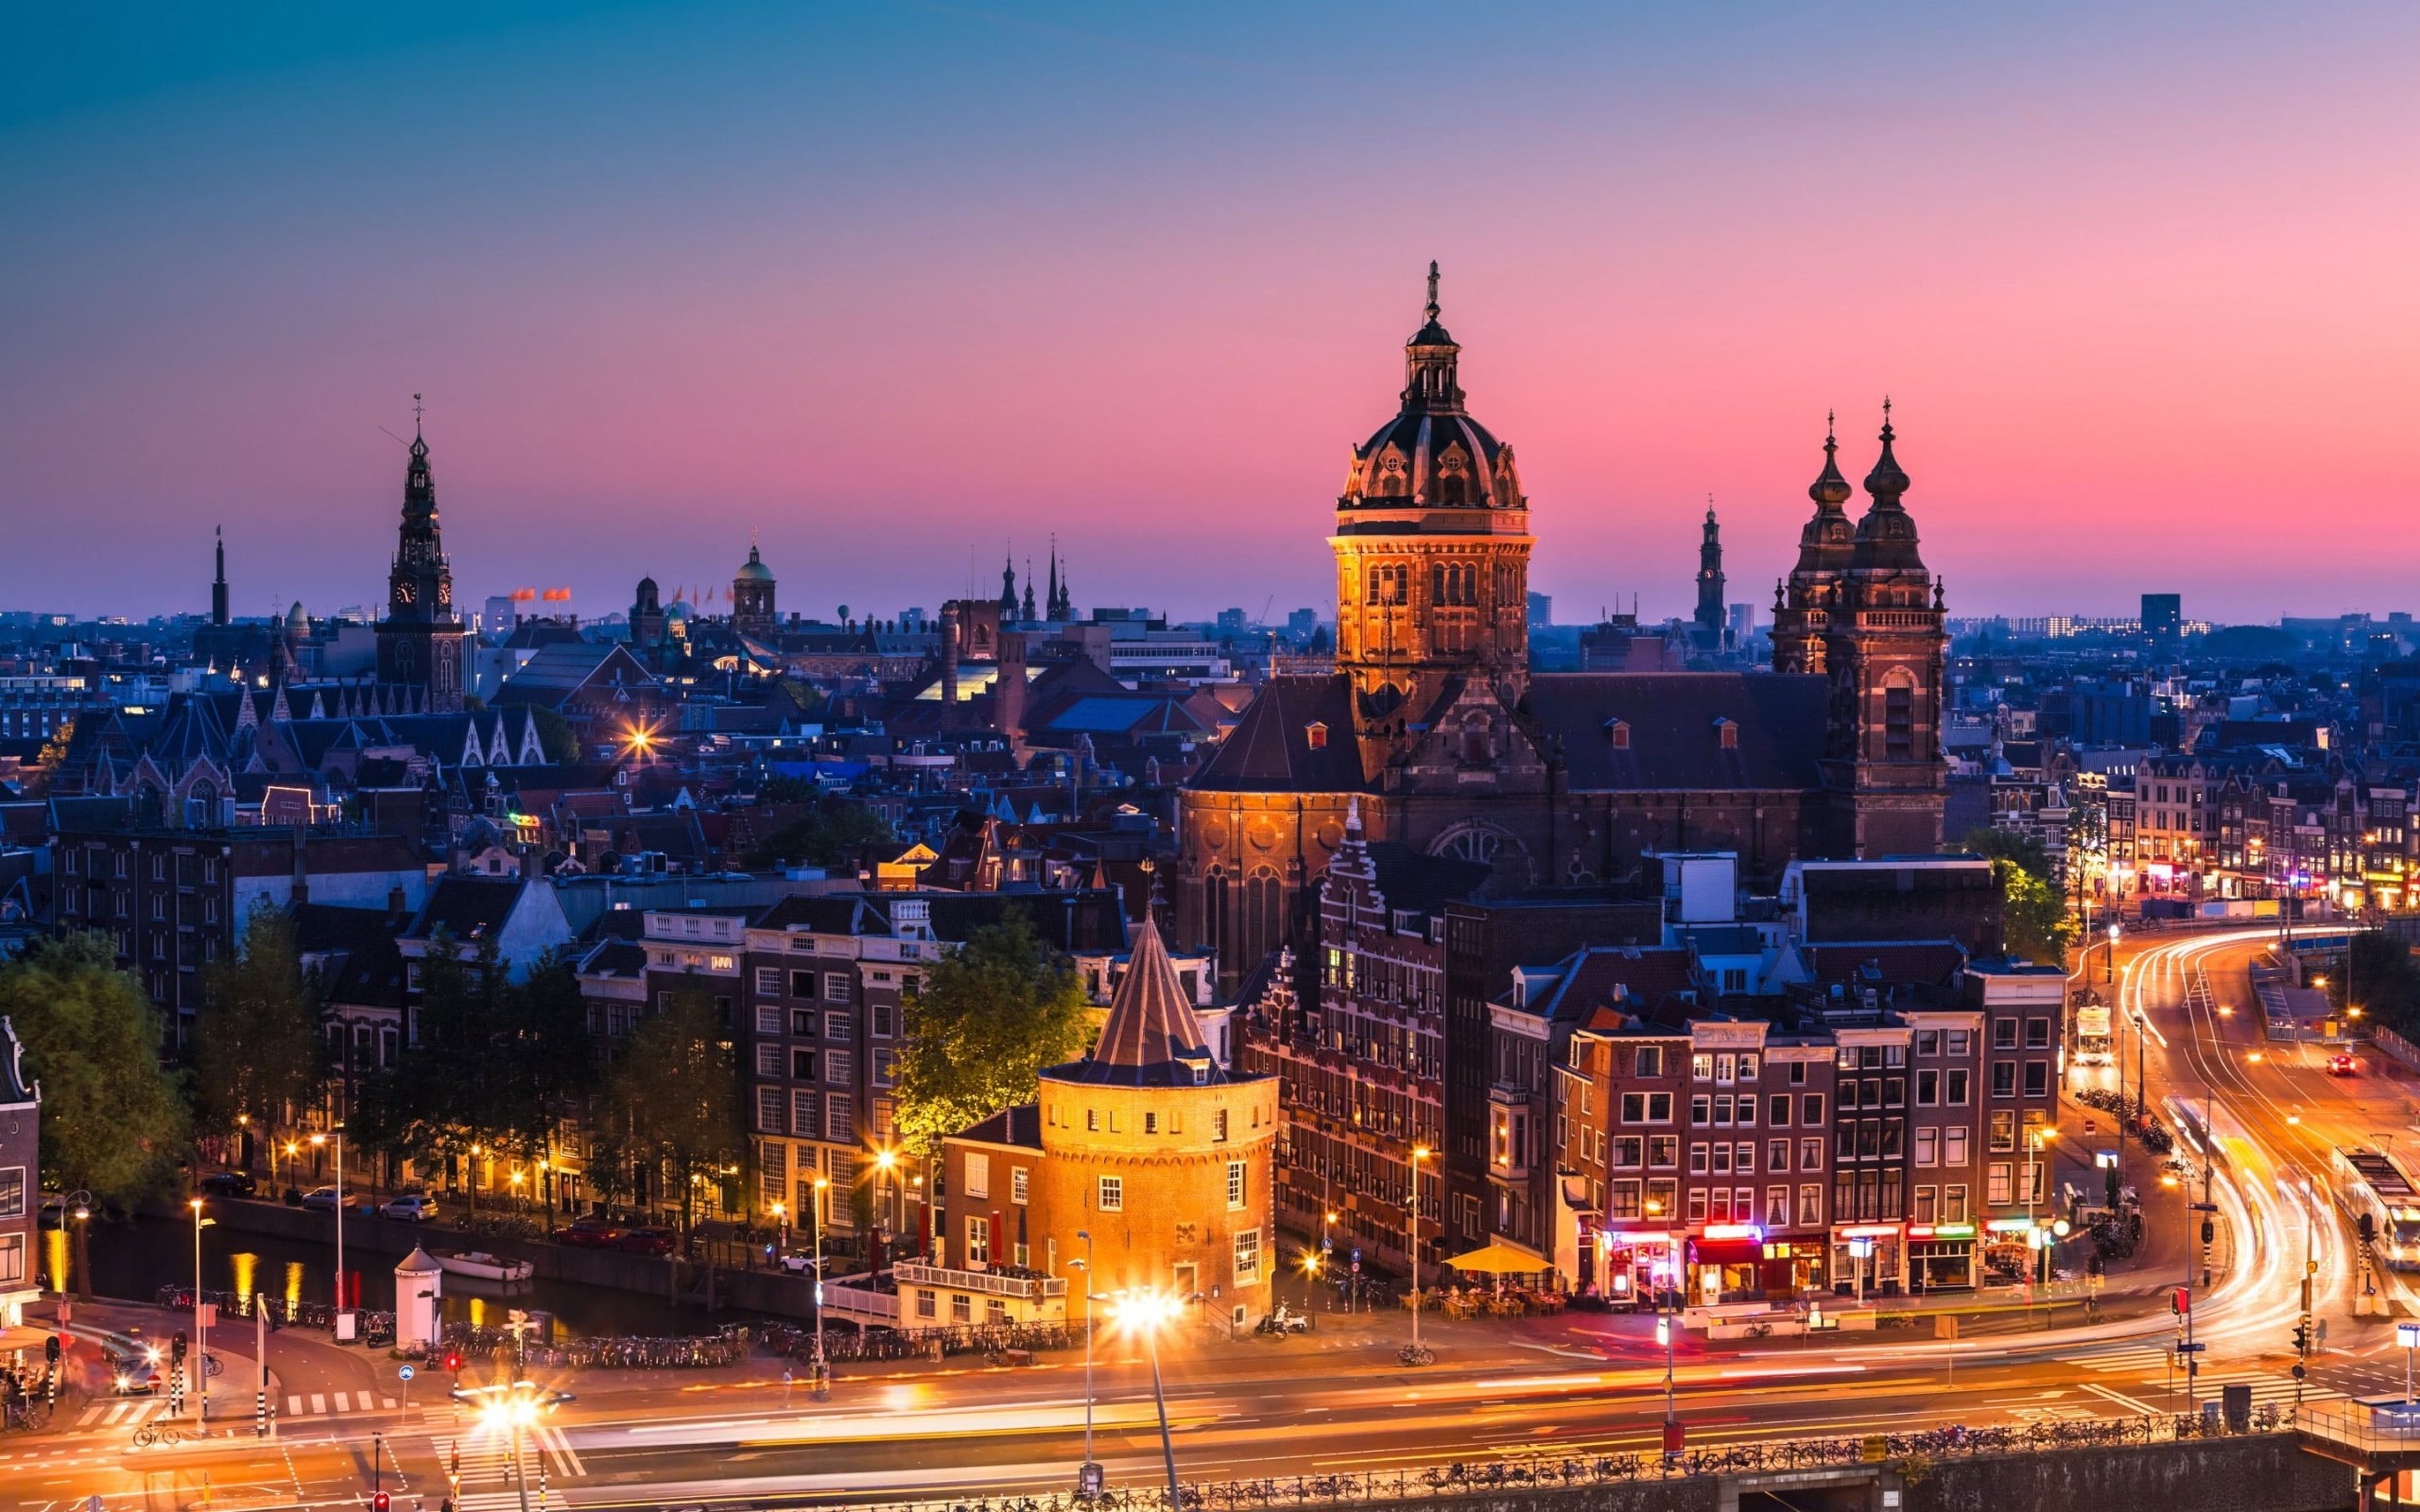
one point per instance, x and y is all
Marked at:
(1264, 916)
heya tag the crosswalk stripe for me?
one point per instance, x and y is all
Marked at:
(318, 1402)
(294, 1406)
(90, 1414)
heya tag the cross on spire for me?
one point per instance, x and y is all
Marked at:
(417, 411)
(1432, 288)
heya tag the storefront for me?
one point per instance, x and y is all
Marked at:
(1869, 1259)
(1628, 1268)
(1726, 1264)
(1942, 1257)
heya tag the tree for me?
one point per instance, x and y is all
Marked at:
(112, 1121)
(985, 1022)
(555, 737)
(257, 1049)
(2006, 845)
(2033, 917)
(829, 835)
(671, 1108)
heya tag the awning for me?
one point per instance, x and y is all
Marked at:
(26, 1338)
(1726, 1252)
(1500, 1258)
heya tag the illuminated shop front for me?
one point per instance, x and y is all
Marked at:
(1738, 1262)
(1941, 1256)
(1630, 1266)
(1869, 1258)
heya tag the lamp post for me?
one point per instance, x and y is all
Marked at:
(2034, 1143)
(79, 1209)
(1089, 1478)
(885, 1177)
(2408, 1335)
(2109, 962)
(823, 1376)
(343, 1332)
(200, 1320)
(1417, 1355)
(1146, 1313)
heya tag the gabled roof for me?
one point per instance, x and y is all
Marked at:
(1270, 748)
(1151, 1026)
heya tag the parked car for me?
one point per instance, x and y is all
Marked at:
(324, 1199)
(2341, 1066)
(135, 1374)
(644, 1240)
(412, 1206)
(797, 1264)
(227, 1184)
(588, 1233)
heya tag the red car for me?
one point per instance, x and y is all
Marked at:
(644, 1240)
(2341, 1066)
(588, 1233)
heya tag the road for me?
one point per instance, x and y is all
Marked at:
(1337, 1400)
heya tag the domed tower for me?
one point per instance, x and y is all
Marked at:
(1432, 551)
(1801, 606)
(646, 616)
(1884, 646)
(751, 596)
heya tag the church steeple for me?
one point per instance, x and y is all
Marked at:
(420, 642)
(218, 586)
(1007, 588)
(1050, 599)
(1028, 613)
(1803, 608)
(1709, 615)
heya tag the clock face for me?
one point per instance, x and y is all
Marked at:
(406, 590)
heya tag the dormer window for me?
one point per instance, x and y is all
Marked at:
(1726, 735)
(1617, 732)
(1315, 734)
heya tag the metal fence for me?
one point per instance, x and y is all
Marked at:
(1902, 1452)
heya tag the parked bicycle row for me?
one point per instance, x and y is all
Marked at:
(375, 1327)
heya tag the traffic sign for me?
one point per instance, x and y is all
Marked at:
(404, 1372)
(2191, 1349)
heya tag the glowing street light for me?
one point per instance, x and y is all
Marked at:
(1147, 1313)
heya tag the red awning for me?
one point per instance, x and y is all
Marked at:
(1727, 1251)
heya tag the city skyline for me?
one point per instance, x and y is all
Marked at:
(670, 279)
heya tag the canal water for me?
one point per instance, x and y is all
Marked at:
(133, 1258)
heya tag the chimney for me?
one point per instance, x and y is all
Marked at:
(949, 656)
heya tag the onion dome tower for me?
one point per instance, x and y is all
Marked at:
(751, 596)
(1801, 605)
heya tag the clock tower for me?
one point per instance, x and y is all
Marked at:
(421, 640)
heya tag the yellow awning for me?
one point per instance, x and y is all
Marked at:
(1500, 1258)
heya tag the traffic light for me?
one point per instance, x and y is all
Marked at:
(381, 1502)
(177, 1348)
(454, 1361)
(50, 1349)
(2180, 1302)
(2366, 1224)
(2302, 1338)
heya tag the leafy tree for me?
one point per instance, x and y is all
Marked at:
(827, 836)
(987, 1019)
(2033, 917)
(555, 735)
(2006, 845)
(257, 1048)
(670, 1109)
(112, 1121)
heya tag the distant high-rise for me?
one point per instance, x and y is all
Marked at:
(2163, 621)
(1540, 611)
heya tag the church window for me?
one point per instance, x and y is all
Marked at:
(1315, 734)
(1899, 723)
(1390, 584)
(1617, 731)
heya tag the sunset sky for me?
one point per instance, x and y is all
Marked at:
(899, 285)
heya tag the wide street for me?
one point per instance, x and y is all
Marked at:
(1337, 1399)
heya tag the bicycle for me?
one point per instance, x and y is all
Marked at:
(148, 1435)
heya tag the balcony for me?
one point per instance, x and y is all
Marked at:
(1005, 1281)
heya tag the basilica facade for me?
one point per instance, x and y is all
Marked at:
(1434, 723)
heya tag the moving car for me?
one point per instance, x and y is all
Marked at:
(648, 1241)
(2342, 1065)
(412, 1206)
(227, 1184)
(135, 1374)
(324, 1199)
(588, 1233)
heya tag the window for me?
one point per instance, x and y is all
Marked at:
(2003, 1034)
(807, 1113)
(1928, 1088)
(1928, 1042)
(1777, 1155)
(978, 1175)
(1701, 1110)
(1810, 1153)
(882, 1013)
(1957, 1042)
(1953, 1146)
(835, 986)
(1810, 1206)
(2037, 1034)
(1648, 1061)
(1661, 1192)
(1810, 1110)
(1625, 1200)
(768, 1059)
(882, 1067)
(2003, 1078)
(1696, 1205)
(769, 1109)
(924, 1307)
(1953, 1204)
(1924, 1205)
(1647, 1108)
(768, 1021)
(1928, 1147)
(1629, 1152)
(841, 1118)
(1236, 1190)
(802, 1064)
(769, 981)
(1219, 1124)
(1956, 1083)
(2003, 1130)
(839, 1067)
(1113, 1194)
(1743, 1156)
(2037, 1078)
(1699, 1162)
(13, 1258)
(1092, 1120)
(961, 1308)
(1777, 1110)
(1020, 1184)
(836, 1027)
(1701, 1067)
(1663, 1151)
(1998, 1189)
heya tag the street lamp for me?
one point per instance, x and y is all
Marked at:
(201, 1318)
(823, 1376)
(79, 1207)
(1146, 1313)
(2109, 962)
(344, 1330)
(2408, 1335)
(2034, 1143)
(1416, 1355)
(1089, 1476)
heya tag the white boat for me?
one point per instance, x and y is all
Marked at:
(485, 1266)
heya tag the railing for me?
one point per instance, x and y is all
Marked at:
(2355, 1426)
(1901, 1451)
(1027, 1286)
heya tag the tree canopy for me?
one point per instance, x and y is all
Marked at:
(2033, 917)
(112, 1121)
(257, 1048)
(828, 836)
(2006, 845)
(983, 1025)
(670, 1109)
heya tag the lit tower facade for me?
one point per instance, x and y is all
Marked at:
(1432, 553)
(751, 596)
(1802, 606)
(1709, 616)
(1883, 651)
(421, 640)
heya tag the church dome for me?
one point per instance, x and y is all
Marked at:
(753, 569)
(1432, 454)
(295, 621)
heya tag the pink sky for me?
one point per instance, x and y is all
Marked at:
(2142, 287)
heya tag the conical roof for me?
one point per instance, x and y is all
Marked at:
(1152, 1039)
(419, 1263)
